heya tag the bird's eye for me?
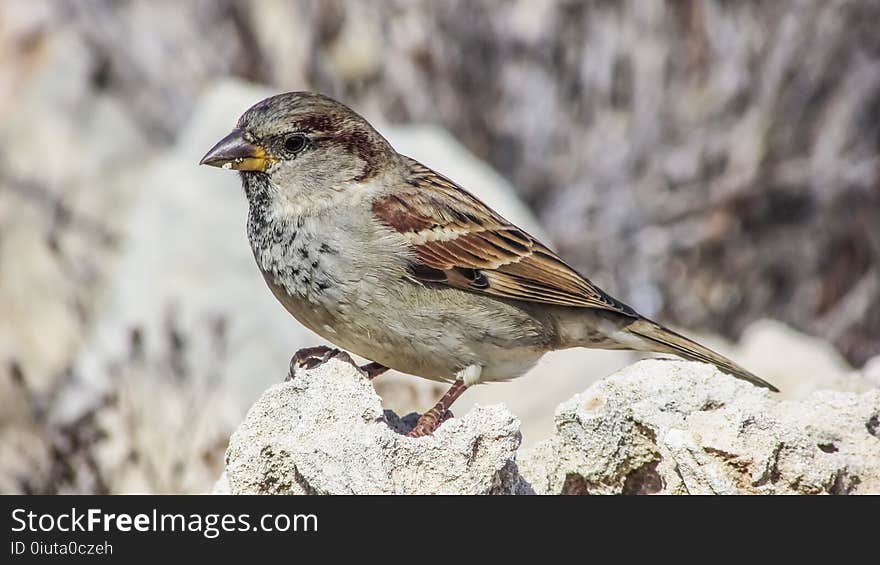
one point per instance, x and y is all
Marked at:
(295, 143)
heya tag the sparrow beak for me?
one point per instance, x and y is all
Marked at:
(234, 152)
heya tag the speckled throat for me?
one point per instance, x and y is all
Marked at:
(283, 253)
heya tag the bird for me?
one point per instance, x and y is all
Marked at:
(390, 260)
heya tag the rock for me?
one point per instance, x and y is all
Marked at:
(799, 364)
(658, 426)
(325, 432)
(674, 427)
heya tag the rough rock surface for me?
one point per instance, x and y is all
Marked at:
(674, 427)
(659, 426)
(325, 432)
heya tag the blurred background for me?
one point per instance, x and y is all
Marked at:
(715, 164)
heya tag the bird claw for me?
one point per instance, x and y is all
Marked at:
(311, 357)
(429, 422)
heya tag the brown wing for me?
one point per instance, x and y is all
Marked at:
(461, 242)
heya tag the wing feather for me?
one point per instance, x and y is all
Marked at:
(459, 241)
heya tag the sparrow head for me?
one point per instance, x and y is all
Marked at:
(302, 143)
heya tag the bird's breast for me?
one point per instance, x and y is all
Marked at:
(329, 268)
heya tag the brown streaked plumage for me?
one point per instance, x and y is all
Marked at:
(453, 232)
(395, 262)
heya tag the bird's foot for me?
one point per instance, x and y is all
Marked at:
(431, 420)
(311, 357)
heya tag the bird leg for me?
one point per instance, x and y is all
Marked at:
(311, 357)
(432, 419)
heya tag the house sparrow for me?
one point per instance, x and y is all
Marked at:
(391, 260)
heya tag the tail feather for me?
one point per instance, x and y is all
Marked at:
(667, 341)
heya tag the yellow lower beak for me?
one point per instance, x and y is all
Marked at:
(235, 152)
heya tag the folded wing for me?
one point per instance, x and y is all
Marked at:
(459, 241)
